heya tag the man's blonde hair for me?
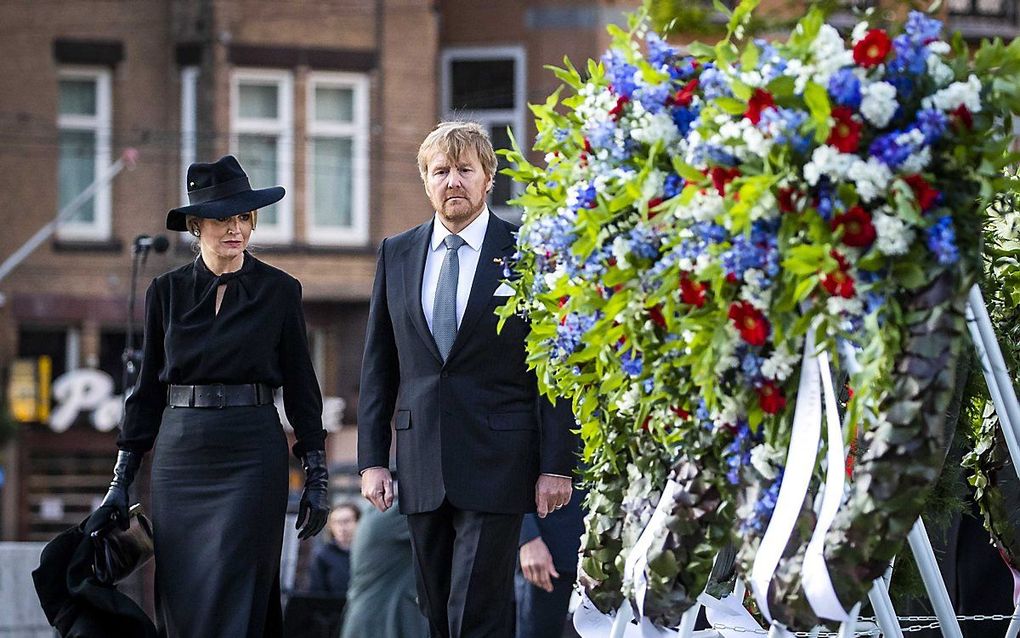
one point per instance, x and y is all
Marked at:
(452, 139)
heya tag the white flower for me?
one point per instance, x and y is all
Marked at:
(939, 47)
(860, 30)
(827, 160)
(625, 404)
(917, 162)
(829, 54)
(950, 98)
(878, 103)
(652, 186)
(621, 250)
(837, 306)
(765, 459)
(871, 178)
(939, 71)
(650, 129)
(729, 411)
(704, 206)
(779, 366)
(893, 235)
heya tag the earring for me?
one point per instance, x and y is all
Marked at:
(195, 232)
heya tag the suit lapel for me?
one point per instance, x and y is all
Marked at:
(414, 271)
(498, 240)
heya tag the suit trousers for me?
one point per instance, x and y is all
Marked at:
(540, 613)
(464, 565)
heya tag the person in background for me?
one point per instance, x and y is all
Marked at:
(548, 560)
(331, 564)
(221, 333)
(381, 600)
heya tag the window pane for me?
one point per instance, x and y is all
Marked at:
(332, 181)
(258, 100)
(257, 154)
(959, 6)
(482, 84)
(77, 97)
(991, 7)
(76, 169)
(501, 187)
(334, 105)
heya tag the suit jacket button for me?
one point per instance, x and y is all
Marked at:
(444, 374)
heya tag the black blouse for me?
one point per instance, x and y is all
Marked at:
(257, 337)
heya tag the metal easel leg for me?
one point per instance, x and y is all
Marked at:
(885, 615)
(687, 621)
(1014, 625)
(623, 617)
(848, 626)
(924, 556)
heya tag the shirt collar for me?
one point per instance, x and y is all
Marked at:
(473, 234)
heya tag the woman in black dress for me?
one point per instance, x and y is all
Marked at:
(220, 334)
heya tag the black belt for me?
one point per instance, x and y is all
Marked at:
(217, 395)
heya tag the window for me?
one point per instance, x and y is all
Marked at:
(261, 127)
(487, 85)
(84, 120)
(337, 160)
(1002, 9)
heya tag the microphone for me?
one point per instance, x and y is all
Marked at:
(159, 243)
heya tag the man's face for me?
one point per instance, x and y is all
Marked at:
(342, 525)
(457, 189)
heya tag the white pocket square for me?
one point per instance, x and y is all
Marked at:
(504, 290)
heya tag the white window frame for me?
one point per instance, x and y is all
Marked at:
(282, 127)
(489, 117)
(99, 229)
(357, 131)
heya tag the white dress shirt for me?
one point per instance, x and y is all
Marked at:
(468, 255)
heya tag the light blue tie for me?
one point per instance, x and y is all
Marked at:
(444, 309)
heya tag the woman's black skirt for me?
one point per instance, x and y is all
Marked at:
(219, 497)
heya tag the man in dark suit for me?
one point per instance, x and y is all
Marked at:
(477, 446)
(548, 557)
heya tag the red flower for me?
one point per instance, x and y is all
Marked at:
(873, 48)
(587, 146)
(655, 314)
(770, 398)
(790, 200)
(925, 195)
(750, 322)
(963, 117)
(648, 421)
(684, 96)
(858, 231)
(839, 282)
(680, 412)
(723, 176)
(846, 134)
(760, 100)
(653, 205)
(617, 110)
(692, 292)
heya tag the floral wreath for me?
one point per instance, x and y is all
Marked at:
(705, 222)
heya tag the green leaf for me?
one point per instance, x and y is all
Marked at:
(817, 100)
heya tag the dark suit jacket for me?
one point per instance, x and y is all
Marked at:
(473, 430)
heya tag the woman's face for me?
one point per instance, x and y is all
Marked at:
(226, 237)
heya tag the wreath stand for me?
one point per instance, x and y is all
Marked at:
(1007, 408)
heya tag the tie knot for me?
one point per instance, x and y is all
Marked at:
(453, 242)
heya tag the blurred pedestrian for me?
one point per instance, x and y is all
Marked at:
(220, 334)
(331, 564)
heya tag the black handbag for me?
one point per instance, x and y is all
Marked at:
(119, 552)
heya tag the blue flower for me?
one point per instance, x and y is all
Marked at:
(932, 123)
(768, 55)
(561, 134)
(684, 117)
(765, 505)
(845, 88)
(910, 59)
(921, 29)
(672, 186)
(620, 73)
(758, 251)
(827, 202)
(738, 453)
(750, 365)
(788, 123)
(659, 52)
(713, 83)
(652, 96)
(643, 241)
(941, 240)
(682, 68)
(601, 134)
(570, 334)
(630, 362)
(710, 231)
(586, 198)
(648, 385)
(889, 151)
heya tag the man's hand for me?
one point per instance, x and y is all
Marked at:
(377, 487)
(537, 564)
(551, 493)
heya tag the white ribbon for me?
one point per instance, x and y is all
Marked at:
(800, 463)
(637, 559)
(728, 616)
(589, 622)
(817, 584)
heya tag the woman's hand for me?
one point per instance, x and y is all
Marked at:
(314, 504)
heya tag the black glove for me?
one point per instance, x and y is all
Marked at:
(114, 508)
(314, 500)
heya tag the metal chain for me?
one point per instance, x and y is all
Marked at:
(931, 623)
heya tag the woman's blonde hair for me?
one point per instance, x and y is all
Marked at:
(452, 139)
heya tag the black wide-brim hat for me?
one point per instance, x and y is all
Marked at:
(220, 189)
